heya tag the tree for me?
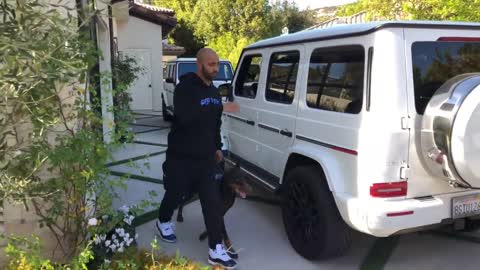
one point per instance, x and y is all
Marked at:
(184, 33)
(286, 14)
(415, 9)
(242, 18)
(229, 47)
(228, 26)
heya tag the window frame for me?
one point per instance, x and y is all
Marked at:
(332, 49)
(416, 91)
(272, 54)
(238, 75)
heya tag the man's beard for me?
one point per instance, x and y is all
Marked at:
(208, 76)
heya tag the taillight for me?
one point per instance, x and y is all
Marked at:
(387, 190)
(460, 39)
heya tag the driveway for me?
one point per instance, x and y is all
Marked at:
(256, 228)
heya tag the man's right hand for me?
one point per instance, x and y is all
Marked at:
(231, 107)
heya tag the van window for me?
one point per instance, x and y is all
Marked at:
(170, 68)
(166, 69)
(335, 79)
(282, 77)
(248, 76)
(225, 72)
(435, 62)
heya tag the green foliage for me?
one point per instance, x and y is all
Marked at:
(183, 34)
(25, 254)
(124, 73)
(227, 26)
(415, 9)
(351, 9)
(285, 13)
(242, 18)
(52, 153)
(229, 47)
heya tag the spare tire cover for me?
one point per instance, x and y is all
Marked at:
(450, 134)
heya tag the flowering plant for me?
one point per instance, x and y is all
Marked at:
(112, 234)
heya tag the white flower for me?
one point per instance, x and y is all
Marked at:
(92, 222)
(120, 249)
(107, 243)
(129, 241)
(126, 236)
(128, 219)
(124, 209)
(103, 237)
(97, 240)
(114, 236)
(120, 231)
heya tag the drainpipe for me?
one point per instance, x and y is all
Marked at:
(112, 49)
(83, 6)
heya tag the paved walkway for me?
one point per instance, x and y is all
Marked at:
(256, 228)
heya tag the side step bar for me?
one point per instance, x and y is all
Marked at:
(272, 184)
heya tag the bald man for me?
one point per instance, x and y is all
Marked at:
(194, 149)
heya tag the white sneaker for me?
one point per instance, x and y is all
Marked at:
(219, 256)
(166, 231)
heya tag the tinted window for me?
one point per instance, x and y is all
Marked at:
(184, 68)
(166, 69)
(335, 79)
(436, 62)
(224, 70)
(282, 77)
(248, 75)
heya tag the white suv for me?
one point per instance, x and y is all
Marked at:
(174, 71)
(375, 126)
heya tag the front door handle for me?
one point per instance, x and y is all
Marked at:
(286, 132)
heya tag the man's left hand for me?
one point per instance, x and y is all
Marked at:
(219, 156)
(231, 107)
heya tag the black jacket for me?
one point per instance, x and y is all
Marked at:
(195, 132)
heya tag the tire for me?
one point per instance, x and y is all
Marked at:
(471, 225)
(312, 222)
(166, 116)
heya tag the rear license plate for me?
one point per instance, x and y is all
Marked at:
(466, 206)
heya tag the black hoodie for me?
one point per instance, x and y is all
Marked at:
(195, 132)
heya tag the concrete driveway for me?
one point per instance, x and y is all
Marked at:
(256, 228)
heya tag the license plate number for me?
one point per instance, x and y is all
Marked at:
(466, 206)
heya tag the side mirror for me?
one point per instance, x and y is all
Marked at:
(169, 80)
(226, 91)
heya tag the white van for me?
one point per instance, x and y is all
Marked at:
(180, 66)
(374, 127)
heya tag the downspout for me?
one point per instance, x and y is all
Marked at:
(112, 58)
(112, 49)
(83, 8)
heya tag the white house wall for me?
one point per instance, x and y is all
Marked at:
(103, 38)
(138, 34)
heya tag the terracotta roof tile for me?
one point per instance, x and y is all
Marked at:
(166, 11)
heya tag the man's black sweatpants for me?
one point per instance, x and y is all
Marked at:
(184, 177)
